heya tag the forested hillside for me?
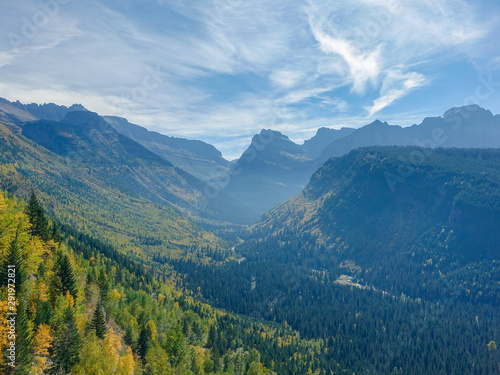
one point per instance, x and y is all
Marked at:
(394, 263)
(79, 191)
(83, 308)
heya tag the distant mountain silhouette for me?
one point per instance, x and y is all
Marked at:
(198, 158)
(272, 167)
(323, 137)
(274, 171)
(48, 111)
(469, 126)
(13, 115)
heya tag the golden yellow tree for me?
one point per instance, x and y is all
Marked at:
(492, 346)
(4, 327)
(101, 357)
(41, 345)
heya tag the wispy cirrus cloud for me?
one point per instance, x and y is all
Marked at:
(362, 67)
(396, 85)
(227, 68)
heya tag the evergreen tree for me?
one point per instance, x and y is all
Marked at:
(104, 284)
(13, 263)
(212, 337)
(24, 354)
(128, 337)
(55, 233)
(66, 345)
(64, 271)
(37, 218)
(43, 312)
(98, 323)
(143, 342)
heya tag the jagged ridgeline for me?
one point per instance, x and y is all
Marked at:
(83, 306)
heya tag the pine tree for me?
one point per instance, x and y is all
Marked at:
(24, 340)
(143, 342)
(37, 218)
(55, 233)
(128, 337)
(24, 353)
(98, 323)
(66, 345)
(64, 272)
(103, 284)
(13, 263)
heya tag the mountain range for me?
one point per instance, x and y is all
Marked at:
(274, 168)
(282, 168)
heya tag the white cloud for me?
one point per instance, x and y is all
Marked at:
(396, 85)
(285, 79)
(363, 67)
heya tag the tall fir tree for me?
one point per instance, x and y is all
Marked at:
(104, 285)
(66, 275)
(55, 235)
(13, 262)
(129, 337)
(98, 323)
(143, 342)
(66, 345)
(24, 339)
(37, 218)
(64, 278)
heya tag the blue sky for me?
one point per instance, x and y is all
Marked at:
(221, 70)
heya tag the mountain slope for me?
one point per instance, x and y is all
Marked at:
(118, 160)
(380, 203)
(69, 279)
(198, 158)
(271, 168)
(390, 255)
(283, 168)
(12, 115)
(123, 200)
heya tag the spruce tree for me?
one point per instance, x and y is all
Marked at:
(13, 268)
(98, 323)
(13, 263)
(129, 337)
(37, 218)
(55, 233)
(104, 285)
(143, 342)
(64, 272)
(66, 345)
(24, 354)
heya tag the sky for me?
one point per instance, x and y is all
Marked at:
(222, 70)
